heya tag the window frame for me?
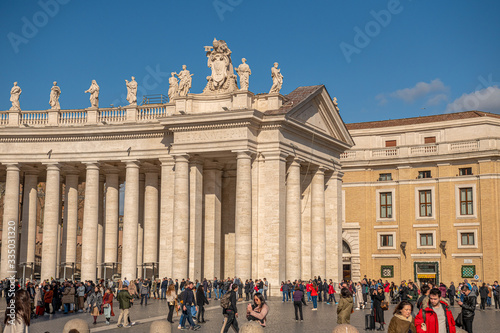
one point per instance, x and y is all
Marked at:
(462, 271)
(467, 231)
(386, 233)
(465, 174)
(417, 203)
(386, 178)
(391, 267)
(378, 207)
(458, 210)
(424, 174)
(434, 239)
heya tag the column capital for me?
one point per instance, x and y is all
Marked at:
(275, 155)
(12, 166)
(167, 160)
(196, 159)
(294, 161)
(132, 164)
(246, 154)
(181, 158)
(91, 165)
(52, 166)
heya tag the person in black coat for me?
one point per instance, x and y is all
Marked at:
(378, 296)
(468, 308)
(247, 290)
(201, 300)
(483, 293)
(452, 292)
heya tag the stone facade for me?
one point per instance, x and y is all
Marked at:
(230, 184)
(440, 175)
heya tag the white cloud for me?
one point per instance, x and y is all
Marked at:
(487, 99)
(435, 92)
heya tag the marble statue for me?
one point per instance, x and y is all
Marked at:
(94, 94)
(277, 79)
(222, 79)
(244, 72)
(173, 87)
(55, 92)
(15, 92)
(185, 79)
(132, 91)
(336, 104)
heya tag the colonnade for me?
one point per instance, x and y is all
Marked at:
(283, 226)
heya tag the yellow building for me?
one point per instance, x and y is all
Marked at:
(421, 199)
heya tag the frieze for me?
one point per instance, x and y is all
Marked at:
(84, 137)
(211, 135)
(209, 127)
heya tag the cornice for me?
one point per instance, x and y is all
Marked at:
(188, 128)
(83, 137)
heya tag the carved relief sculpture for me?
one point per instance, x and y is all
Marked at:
(185, 79)
(132, 91)
(173, 87)
(94, 94)
(15, 92)
(55, 92)
(244, 72)
(277, 79)
(223, 79)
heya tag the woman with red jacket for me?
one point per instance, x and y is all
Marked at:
(427, 320)
(314, 296)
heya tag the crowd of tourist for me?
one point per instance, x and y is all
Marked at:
(418, 309)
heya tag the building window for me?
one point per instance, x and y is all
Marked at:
(425, 203)
(386, 241)
(426, 240)
(386, 205)
(424, 174)
(467, 239)
(430, 139)
(465, 171)
(468, 271)
(385, 176)
(387, 271)
(466, 203)
(390, 143)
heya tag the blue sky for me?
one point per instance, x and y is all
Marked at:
(381, 59)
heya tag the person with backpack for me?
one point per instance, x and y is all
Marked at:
(436, 317)
(229, 310)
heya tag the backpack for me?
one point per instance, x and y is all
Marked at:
(180, 297)
(225, 301)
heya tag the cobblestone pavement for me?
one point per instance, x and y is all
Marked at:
(280, 319)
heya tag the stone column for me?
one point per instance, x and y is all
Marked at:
(50, 222)
(100, 229)
(212, 205)
(28, 234)
(111, 220)
(181, 218)
(151, 217)
(10, 223)
(140, 229)
(130, 221)
(318, 231)
(70, 219)
(333, 209)
(293, 222)
(166, 217)
(90, 223)
(243, 220)
(195, 218)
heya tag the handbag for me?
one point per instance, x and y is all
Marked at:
(384, 305)
(459, 322)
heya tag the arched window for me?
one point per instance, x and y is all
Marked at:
(345, 247)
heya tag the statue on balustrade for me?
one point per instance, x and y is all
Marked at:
(132, 91)
(185, 79)
(15, 92)
(173, 87)
(55, 93)
(94, 94)
(223, 79)
(244, 72)
(277, 79)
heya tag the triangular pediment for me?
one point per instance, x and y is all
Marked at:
(320, 114)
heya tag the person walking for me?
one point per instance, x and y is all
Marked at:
(187, 303)
(231, 312)
(124, 300)
(436, 317)
(483, 293)
(164, 287)
(403, 321)
(266, 287)
(298, 297)
(95, 301)
(201, 300)
(452, 293)
(378, 296)
(344, 307)
(107, 305)
(170, 297)
(468, 307)
(496, 294)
